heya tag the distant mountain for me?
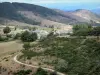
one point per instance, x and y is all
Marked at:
(87, 15)
(38, 15)
(82, 15)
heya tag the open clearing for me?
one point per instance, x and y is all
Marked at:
(10, 47)
(7, 51)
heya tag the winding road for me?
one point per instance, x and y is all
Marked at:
(47, 69)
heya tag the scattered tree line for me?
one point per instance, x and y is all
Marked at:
(39, 71)
(86, 30)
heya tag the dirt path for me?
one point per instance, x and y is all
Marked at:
(47, 69)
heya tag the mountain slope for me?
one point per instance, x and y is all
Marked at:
(87, 15)
(12, 11)
(38, 15)
(82, 15)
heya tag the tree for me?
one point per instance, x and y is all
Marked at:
(81, 30)
(40, 71)
(33, 36)
(26, 46)
(23, 72)
(62, 66)
(28, 37)
(95, 31)
(6, 30)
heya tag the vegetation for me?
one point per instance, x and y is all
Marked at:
(3, 38)
(82, 30)
(40, 71)
(17, 36)
(95, 31)
(26, 46)
(77, 56)
(23, 72)
(61, 65)
(6, 30)
(29, 54)
(28, 37)
(86, 30)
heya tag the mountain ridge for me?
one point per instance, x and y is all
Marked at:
(38, 15)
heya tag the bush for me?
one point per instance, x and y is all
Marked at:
(28, 37)
(23, 72)
(17, 36)
(40, 71)
(6, 30)
(95, 31)
(3, 38)
(81, 30)
(26, 46)
(9, 35)
(61, 66)
(51, 34)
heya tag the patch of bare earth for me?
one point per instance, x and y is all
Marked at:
(7, 52)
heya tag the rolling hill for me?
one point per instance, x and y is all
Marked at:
(38, 15)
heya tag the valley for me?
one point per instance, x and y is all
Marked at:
(36, 40)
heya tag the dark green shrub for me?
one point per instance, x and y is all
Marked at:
(17, 36)
(3, 38)
(40, 71)
(26, 46)
(23, 72)
(6, 30)
(9, 36)
(28, 37)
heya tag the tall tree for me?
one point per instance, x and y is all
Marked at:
(6, 30)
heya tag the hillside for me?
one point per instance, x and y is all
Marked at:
(87, 15)
(81, 16)
(38, 15)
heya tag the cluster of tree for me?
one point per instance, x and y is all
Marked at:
(95, 31)
(28, 37)
(25, 36)
(85, 30)
(78, 56)
(23, 72)
(40, 71)
(3, 38)
(81, 30)
(6, 30)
